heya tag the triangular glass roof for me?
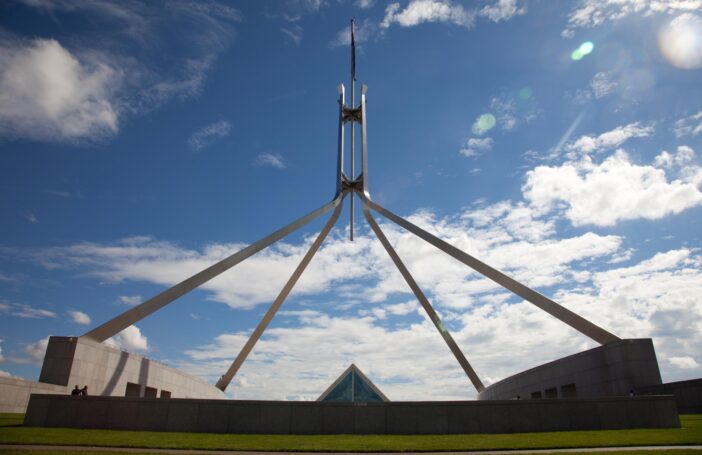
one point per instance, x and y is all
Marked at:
(353, 386)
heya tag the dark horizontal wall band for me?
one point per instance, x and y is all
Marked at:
(285, 417)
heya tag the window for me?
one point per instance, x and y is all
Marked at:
(551, 393)
(568, 391)
(133, 390)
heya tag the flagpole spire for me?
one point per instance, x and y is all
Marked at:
(353, 106)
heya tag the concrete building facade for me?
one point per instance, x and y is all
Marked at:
(614, 369)
(109, 371)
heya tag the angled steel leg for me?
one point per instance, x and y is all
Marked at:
(477, 383)
(124, 320)
(559, 312)
(229, 375)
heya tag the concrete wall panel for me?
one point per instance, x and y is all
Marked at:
(106, 371)
(233, 416)
(610, 370)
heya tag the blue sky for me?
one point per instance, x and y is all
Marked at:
(142, 142)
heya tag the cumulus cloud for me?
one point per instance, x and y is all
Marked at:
(476, 146)
(269, 159)
(591, 13)
(420, 11)
(47, 93)
(408, 360)
(206, 135)
(129, 339)
(50, 91)
(684, 363)
(614, 190)
(78, 317)
(2, 358)
(608, 140)
(382, 329)
(36, 350)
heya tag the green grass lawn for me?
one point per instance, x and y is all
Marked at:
(12, 433)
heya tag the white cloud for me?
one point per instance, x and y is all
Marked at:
(609, 140)
(383, 330)
(25, 311)
(502, 10)
(591, 13)
(130, 299)
(409, 360)
(476, 146)
(206, 135)
(680, 41)
(269, 159)
(30, 217)
(615, 190)
(47, 93)
(365, 31)
(684, 363)
(50, 91)
(129, 339)
(602, 84)
(36, 350)
(420, 11)
(364, 4)
(689, 126)
(294, 33)
(5, 374)
(2, 359)
(78, 317)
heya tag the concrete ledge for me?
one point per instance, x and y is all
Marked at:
(289, 417)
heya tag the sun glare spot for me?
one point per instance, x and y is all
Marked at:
(484, 123)
(525, 93)
(680, 42)
(584, 49)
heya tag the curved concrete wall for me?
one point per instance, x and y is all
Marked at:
(109, 371)
(605, 371)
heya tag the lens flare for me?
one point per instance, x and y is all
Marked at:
(525, 93)
(585, 48)
(680, 42)
(484, 123)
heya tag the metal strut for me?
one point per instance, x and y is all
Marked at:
(275, 306)
(139, 312)
(477, 383)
